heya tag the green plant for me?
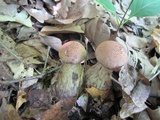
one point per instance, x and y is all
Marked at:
(139, 8)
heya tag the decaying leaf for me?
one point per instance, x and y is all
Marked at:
(59, 111)
(156, 39)
(39, 99)
(21, 98)
(48, 30)
(41, 15)
(142, 116)
(8, 12)
(5, 73)
(28, 53)
(51, 41)
(128, 78)
(130, 108)
(7, 112)
(154, 114)
(140, 94)
(82, 101)
(20, 72)
(101, 94)
(97, 31)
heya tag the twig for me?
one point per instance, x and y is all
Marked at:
(46, 60)
(10, 52)
(28, 78)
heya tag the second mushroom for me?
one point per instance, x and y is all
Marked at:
(111, 56)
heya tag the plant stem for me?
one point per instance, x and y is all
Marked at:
(121, 23)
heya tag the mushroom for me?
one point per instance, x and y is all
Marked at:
(111, 56)
(67, 82)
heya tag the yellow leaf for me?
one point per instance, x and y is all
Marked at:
(21, 98)
(94, 92)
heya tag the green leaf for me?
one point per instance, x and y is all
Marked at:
(143, 8)
(107, 4)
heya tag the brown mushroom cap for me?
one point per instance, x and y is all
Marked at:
(111, 55)
(72, 52)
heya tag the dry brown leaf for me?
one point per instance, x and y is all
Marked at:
(97, 31)
(142, 116)
(39, 99)
(156, 39)
(39, 46)
(40, 15)
(83, 9)
(28, 53)
(140, 94)
(6, 44)
(48, 30)
(63, 8)
(154, 114)
(51, 41)
(5, 73)
(21, 98)
(7, 112)
(59, 111)
(130, 108)
(128, 78)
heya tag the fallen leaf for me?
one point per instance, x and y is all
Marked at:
(10, 13)
(130, 108)
(128, 77)
(7, 112)
(97, 31)
(29, 54)
(39, 99)
(156, 39)
(154, 114)
(21, 98)
(20, 72)
(48, 30)
(142, 116)
(59, 111)
(82, 101)
(51, 41)
(41, 15)
(101, 94)
(140, 94)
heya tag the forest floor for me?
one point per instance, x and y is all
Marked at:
(35, 85)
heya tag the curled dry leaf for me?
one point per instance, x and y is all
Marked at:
(154, 114)
(156, 39)
(97, 31)
(21, 99)
(48, 30)
(51, 41)
(142, 116)
(58, 111)
(40, 15)
(82, 101)
(128, 78)
(7, 111)
(28, 53)
(130, 108)
(140, 94)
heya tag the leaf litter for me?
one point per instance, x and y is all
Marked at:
(32, 85)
